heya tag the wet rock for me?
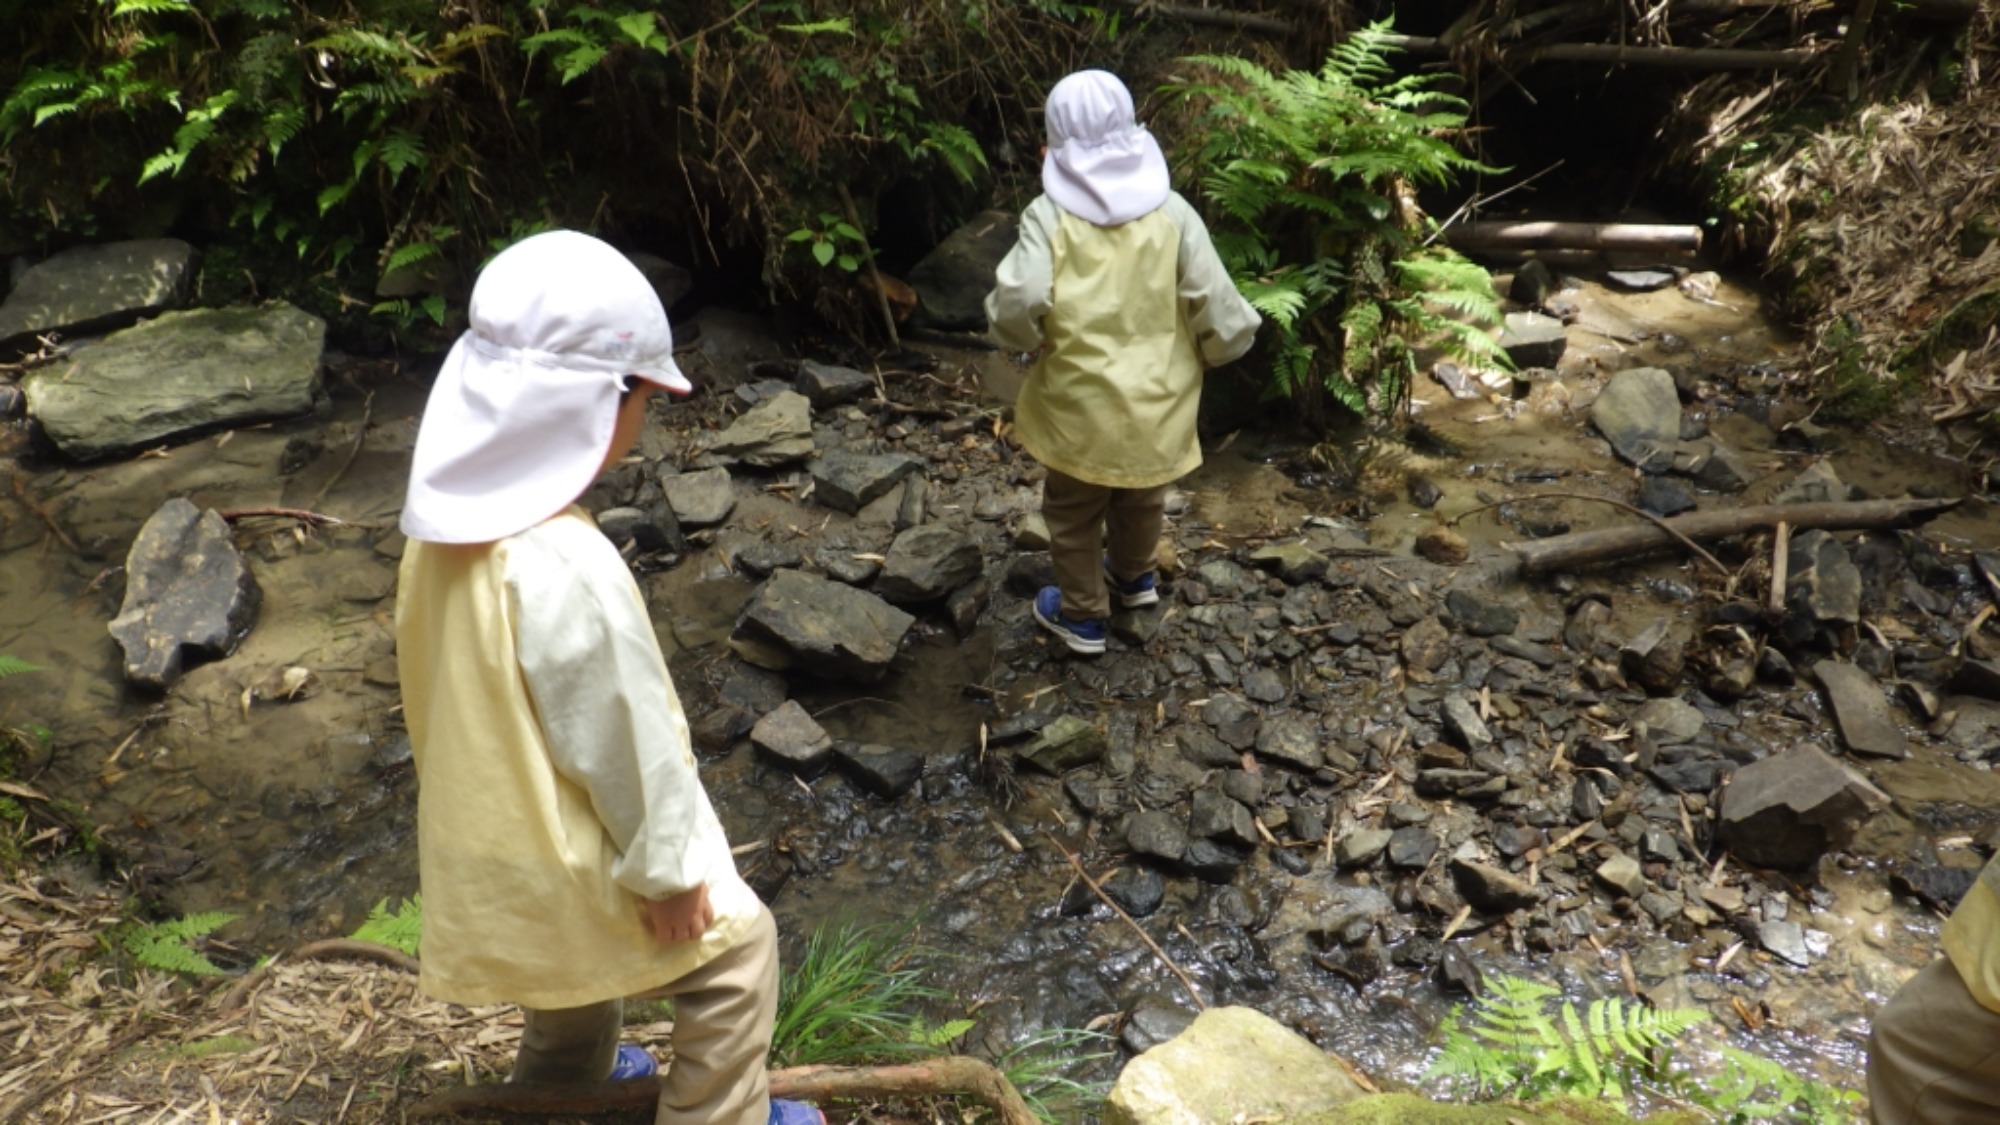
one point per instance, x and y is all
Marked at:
(793, 738)
(777, 431)
(1490, 889)
(1542, 656)
(819, 626)
(1214, 815)
(1294, 562)
(1774, 667)
(1789, 809)
(1264, 685)
(760, 560)
(1063, 745)
(825, 385)
(1157, 835)
(966, 604)
(91, 288)
(1032, 533)
(1715, 465)
(1639, 413)
(700, 499)
(1622, 874)
(1533, 340)
(719, 727)
(189, 595)
(1861, 711)
(1817, 483)
(1214, 861)
(1732, 679)
(1462, 719)
(1671, 720)
(1531, 284)
(1362, 846)
(1411, 848)
(850, 567)
(1443, 546)
(1663, 496)
(1459, 381)
(926, 563)
(1515, 840)
(1138, 890)
(1785, 941)
(1585, 632)
(910, 505)
(630, 525)
(847, 482)
(1423, 491)
(1979, 678)
(1152, 1024)
(1234, 721)
(952, 281)
(1654, 659)
(1137, 627)
(181, 374)
(1204, 749)
(1457, 972)
(1199, 1076)
(1640, 281)
(1481, 614)
(886, 771)
(1293, 740)
(1825, 585)
(14, 403)
(1426, 645)
(1935, 885)
(753, 689)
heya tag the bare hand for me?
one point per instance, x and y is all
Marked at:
(684, 917)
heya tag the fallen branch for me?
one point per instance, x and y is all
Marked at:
(1781, 560)
(1187, 982)
(1617, 54)
(1662, 524)
(1590, 548)
(952, 1076)
(331, 949)
(1508, 235)
(300, 514)
(1210, 17)
(360, 436)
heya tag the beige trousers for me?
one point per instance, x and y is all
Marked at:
(1087, 520)
(723, 1015)
(1934, 1054)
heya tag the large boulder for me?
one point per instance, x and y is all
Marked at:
(800, 620)
(926, 563)
(183, 374)
(1639, 413)
(92, 288)
(188, 595)
(1231, 1064)
(1791, 808)
(952, 281)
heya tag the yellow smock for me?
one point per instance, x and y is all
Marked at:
(556, 783)
(1127, 316)
(1972, 937)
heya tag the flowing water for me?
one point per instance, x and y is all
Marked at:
(296, 810)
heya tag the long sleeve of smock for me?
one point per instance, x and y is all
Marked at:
(600, 689)
(1224, 324)
(1025, 282)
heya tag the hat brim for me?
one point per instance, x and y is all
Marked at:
(666, 375)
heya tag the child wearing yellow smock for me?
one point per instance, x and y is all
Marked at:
(569, 855)
(1115, 280)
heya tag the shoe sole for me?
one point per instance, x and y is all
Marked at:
(1076, 644)
(1140, 600)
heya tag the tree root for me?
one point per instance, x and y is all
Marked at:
(332, 949)
(954, 1075)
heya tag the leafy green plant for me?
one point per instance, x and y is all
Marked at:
(1513, 1042)
(401, 929)
(15, 666)
(1043, 1068)
(848, 999)
(1309, 178)
(833, 241)
(170, 946)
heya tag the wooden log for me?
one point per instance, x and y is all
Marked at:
(951, 1076)
(1591, 548)
(1210, 17)
(1507, 235)
(1617, 54)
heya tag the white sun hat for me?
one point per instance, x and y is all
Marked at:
(1102, 165)
(521, 415)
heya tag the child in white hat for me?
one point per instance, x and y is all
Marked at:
(1115, 280)
(568, 853)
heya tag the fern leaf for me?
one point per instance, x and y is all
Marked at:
(401, 929)
(15, 666)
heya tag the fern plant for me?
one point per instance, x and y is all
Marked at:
(1308, 177)
(401, 929)
(14, 666)
(1509, 1042)
(169, 946)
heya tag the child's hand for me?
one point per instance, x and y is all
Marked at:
(684, 917)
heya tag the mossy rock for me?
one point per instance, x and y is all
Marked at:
(1409, 1109)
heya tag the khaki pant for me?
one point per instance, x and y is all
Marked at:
(1934, 1054)
(1087, 520)
(723, 1015)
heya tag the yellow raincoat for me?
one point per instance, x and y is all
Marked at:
(1112, 400)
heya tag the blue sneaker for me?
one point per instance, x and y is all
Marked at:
(795, 1113)
(1086, 637)
(633, 1061)
(1141, 591)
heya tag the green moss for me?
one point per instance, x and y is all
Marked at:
(220, 1045)
(1409, 1109)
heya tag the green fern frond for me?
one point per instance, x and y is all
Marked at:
(167, 945)
(15, 666)
(402, 928)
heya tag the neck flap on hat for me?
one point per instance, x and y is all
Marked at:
(521, 415)
(1102, 165)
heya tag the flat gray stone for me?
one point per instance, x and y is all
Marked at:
(1824, 584)
(1639, 413)
(791, 736)
(1622, 874)
(700, 499)
(825, 385)
(847, 482)
(1294, 561)
(1462, 719)
(1789, 809)
(926, 563)
(1533, 340)
(1491, 890)
(1293, 740)
(1672, 720)
(1065, 744)
(1157, 835)
(886, 771)
(1817, 483)
(804, 621)
(181, 375)
(92, 288)
(1639, 281)
(777, 431)
(188, 595)
(1361, 847)
(1861, 711)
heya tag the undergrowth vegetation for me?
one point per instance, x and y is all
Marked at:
(383, 148)
(1309, 179)
(1516, 1041)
